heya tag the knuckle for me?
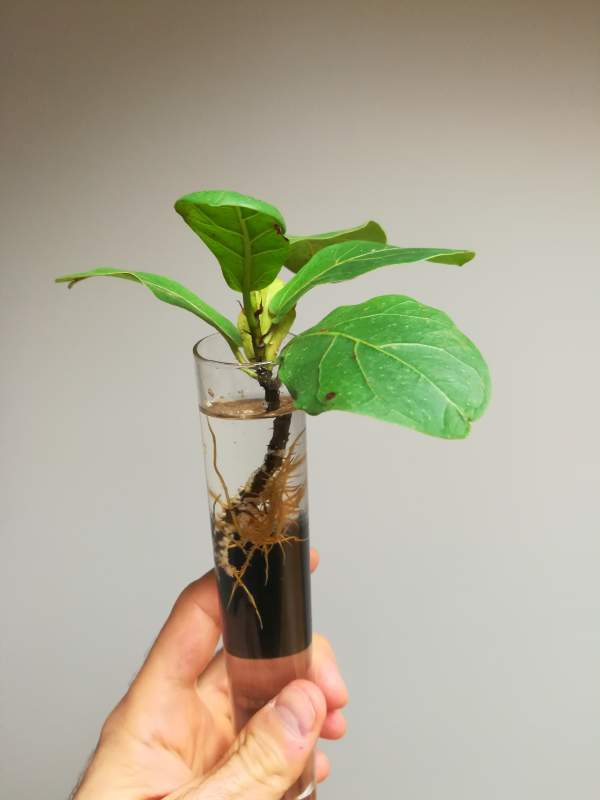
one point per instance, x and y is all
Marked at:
(117, 717)
(187, 593)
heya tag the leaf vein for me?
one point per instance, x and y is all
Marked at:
(213, 223)
(434, 347)
(363, 373)
(321, 360)
(396, 358)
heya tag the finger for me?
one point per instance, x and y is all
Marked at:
(187, 642)
(334, 725)
(322, 766)
(189, 637)
(271, 752)
(214, 689)
(325, 673)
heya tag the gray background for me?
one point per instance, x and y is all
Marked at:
(459, 581)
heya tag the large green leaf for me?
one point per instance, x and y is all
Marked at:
(169, 291)
(245, 234)
(391, 358)
(342, 262)
(303, 248)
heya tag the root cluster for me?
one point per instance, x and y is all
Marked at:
(252, 522)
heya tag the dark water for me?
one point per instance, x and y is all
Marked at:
(283, 602)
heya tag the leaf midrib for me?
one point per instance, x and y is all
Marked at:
(247, 257)
(370, 255)
(293, 290)
(201, 308)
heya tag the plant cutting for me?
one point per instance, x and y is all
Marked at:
(389, 357)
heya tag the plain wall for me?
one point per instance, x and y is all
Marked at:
(459, 580)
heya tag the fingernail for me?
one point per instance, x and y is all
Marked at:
(296, 710)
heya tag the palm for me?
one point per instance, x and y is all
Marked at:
(175, 736)
(175, 723)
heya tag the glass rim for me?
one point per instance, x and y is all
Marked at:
(244, 365)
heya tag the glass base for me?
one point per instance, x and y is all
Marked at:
(305, 787)
(309, 792)
(254, 683)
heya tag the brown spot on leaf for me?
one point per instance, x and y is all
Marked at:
(329, 395)
(278, 228)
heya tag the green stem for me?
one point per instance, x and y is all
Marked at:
(258, 344)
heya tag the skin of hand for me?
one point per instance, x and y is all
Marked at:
(171, 737)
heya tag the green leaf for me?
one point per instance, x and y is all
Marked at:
(302, 248)
(391, 358)
(342, 262)
(169, 291)
(245, 234)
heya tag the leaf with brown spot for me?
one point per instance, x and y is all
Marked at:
(392, 358)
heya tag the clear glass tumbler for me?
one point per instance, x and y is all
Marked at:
(255, 453)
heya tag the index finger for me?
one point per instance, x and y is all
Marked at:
(189, 637)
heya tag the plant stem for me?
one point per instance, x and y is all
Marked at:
(271, 386)
(280, 435)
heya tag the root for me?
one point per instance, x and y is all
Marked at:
(253, 522)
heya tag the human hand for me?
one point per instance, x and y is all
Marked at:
(172, 737)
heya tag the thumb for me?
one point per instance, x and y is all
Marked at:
(271, 752)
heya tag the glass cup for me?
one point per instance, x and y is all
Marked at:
(254, 445)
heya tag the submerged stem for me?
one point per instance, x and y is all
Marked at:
(280, 435)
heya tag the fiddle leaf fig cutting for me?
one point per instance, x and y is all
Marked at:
(390, 357)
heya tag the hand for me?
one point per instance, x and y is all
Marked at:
(171, 737)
